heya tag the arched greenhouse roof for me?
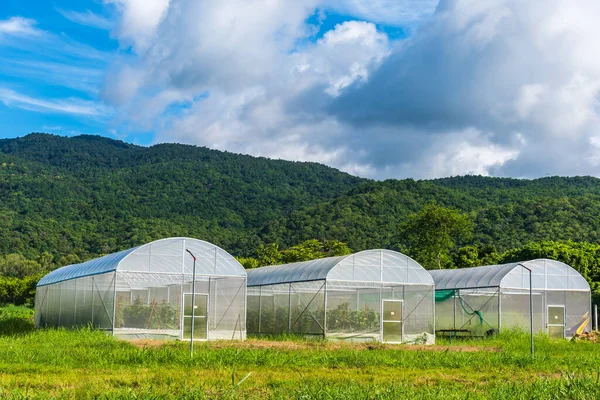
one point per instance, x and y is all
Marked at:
(161, 256)
(545, 274)
(365, 266)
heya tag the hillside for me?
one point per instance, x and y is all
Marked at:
(89, 195)
(507, 212)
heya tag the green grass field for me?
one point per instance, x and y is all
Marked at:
(91, 364)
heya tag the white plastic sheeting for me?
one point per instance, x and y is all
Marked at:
(344, 297)
(139, 293)
(546, 274)
(483, 300)
(365, 266)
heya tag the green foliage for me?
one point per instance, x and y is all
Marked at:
(312, 249)
(147, 316)
(87, 195)
(475, 255)
(15, 320)
(18, 291)
(248, 262)
(269, 254)
(430, 234)
(17, 266)
(344, 318)
(67, 200)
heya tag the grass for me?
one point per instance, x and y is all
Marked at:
(90, 364)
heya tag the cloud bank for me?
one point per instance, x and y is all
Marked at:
(502, 87)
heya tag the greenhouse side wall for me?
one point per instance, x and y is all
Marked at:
(467, 312)
(151, 305)
(515, 309)
(354, 311)
(228, 308)
(296, 308)
(86, 301)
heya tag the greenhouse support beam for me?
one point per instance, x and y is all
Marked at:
(193, 299)
(530, 309)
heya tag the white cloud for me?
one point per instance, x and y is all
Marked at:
(502, 87)
(66, 106)
(52, 62)
(82, 78)
(87, 18)
(343, 56)
(139, 19)
(392, 12)
(19, 26)
(523, 72)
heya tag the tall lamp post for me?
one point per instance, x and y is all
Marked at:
(193, 303)
(530, 309)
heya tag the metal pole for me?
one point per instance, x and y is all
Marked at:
(596, 315)
(193, 303)
(531, 312)
(530, 309)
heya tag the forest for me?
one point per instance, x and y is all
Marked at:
(68, 199)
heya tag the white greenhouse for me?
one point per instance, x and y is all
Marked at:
(146, 292)
(375, 295)
(484, 300)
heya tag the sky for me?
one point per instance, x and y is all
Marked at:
(378, 88)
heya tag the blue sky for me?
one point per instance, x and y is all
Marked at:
(377, 88)
(88, 25)
(63, 59)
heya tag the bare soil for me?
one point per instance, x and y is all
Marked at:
(290, 345)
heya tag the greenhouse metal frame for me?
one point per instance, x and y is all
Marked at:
(374, 295)
(484, 300)
(146, 292)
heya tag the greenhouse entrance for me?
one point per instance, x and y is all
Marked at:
(391, 321)
(556, 322)
(200, 316)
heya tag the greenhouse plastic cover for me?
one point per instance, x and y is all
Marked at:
(365, 266)
(546, 274)
(165, 255)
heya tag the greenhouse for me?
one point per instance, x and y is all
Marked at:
(146, 292)
(373, 295)
(484, 300)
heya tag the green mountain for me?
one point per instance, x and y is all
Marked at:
(89, 195)
(508, 213)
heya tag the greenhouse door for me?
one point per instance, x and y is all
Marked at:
(200, 316)
(556, 321)
(391, 321)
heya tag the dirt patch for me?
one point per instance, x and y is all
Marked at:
(261, 344)
(315, 345)
(593, 337)
(145, 343)
(463, 349)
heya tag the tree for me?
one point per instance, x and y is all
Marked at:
(248, 262)
(475, 256)
(269, 254)
(430, 234)
(313, 249)
(17, 266)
